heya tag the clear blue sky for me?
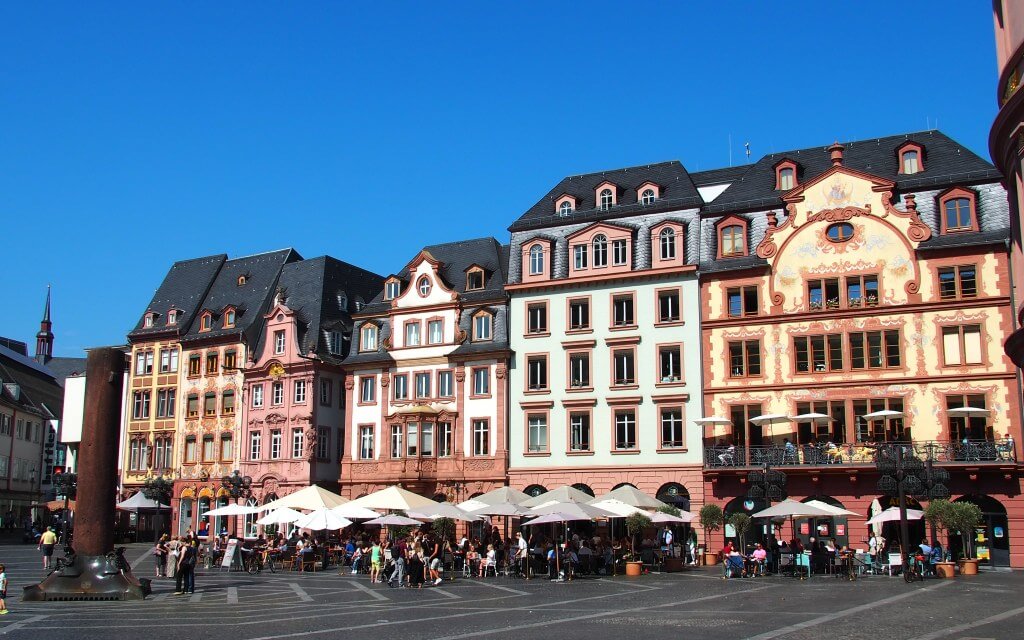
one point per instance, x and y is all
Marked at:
(136, 134)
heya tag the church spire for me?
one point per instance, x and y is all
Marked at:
(44, 339)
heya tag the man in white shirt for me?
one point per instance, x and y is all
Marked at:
(522, 554)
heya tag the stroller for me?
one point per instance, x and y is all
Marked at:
(734, 567)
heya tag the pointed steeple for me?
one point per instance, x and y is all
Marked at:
(44, 339)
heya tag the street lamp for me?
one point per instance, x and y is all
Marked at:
(67, 486)
(768, 484)
(158, 489)
(237, 486)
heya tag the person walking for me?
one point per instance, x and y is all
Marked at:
(398, 553)
(185, 579)
(46, 544)
(160, 556)
(375, 558)
(3, 590)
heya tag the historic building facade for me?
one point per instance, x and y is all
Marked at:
(604, 324)
(426, 378)
(843, 281)
(294, 398)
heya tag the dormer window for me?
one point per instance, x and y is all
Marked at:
(242, 279)
(206, 321)
(605, 199)
(423, 286)
(536, 260)
(959, 212)
(600, 250)
(647, 197)
(482, 326)
(647, 193)
(342, 301)
(172, 317)
(667, 244)
(368, 338)
(565, 204)
(474, 279)
(911, 157)
(148, 320)
(392, 288)
(732, 237)
(229, 318)
(785, 175)
(565, 208)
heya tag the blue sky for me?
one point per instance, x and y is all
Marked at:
(136, 134)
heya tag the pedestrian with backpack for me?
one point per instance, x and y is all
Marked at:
(185, 579)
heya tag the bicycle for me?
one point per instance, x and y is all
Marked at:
(912, 572)
(255, 564)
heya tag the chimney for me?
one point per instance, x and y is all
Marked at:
(836, 151)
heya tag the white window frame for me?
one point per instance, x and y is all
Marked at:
(257, 396)
(299, 396)
(445, 388)
(536, 260)
(279, 342)
(276, 394)
(435, 331)
(298, 443)
(366, 442)
(481, 438)
(276, 442)
(600, 243)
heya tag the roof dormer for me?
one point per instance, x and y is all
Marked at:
(536, 255)
(205, 321)
(392, 288)
(476, 276)
(149, 319)
(606, 195)
(565, 204)
(229, 316)
(785, 175)
(648, 193)
(172, 317)
(911, 158)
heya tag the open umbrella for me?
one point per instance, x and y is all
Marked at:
(579, 510)
(443, 510)
(395, 498)
(563, 494)
(233, 510)
(139, 501)
(504, 509)
(968, 412)
(883, 414)
(892, 514)
(838, 511)
(792, 509)
(661, 517)
(392, 520)
(321, 519)
(619, 508)
(284, 515)
(355, 512)
(308, 498)
(501, 495)
(632, 496)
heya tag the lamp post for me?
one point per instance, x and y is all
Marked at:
(159, 489)
(66, 485)
(237, 486)
(769, 484)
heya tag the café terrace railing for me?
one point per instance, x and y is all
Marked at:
(859, 453)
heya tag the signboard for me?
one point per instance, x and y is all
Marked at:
(805, 528)
(840, 529)
(229, 554)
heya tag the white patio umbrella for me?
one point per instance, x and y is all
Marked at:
(632, 496)
(321, 519)
(233, 510)
(968, 412)
(713, 421)
(139, 501)
(766, 420)
(503, 509)
(308, 498)
(790, 508)
(892, 514)
(619, 508)
(395, 498)
(838, 511)
(284, 515)
(392, 520)
(660, 517)
(563, 494)
(883, 414)
(501, 495)
(579, 509)
(443, 510)
(355, 512)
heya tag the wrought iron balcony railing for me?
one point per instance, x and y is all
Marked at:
(860, 453)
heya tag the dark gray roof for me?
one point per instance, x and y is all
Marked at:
(64, 368)
(718, 176)
(39, 390)
(733, 264)
(677, 192)
(945, 162)
(966, 239)
(250, 300)
(315, 290)
(183, 288)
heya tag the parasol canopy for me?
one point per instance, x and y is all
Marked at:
(308, 498)
(284, 515)
(790, 508)
(632, 496)
(355, 512)
(660, 517)
(233, 510)
(563, 494)
(321, 519)
(139, 501)
(395, 498)
(392, 520)
(892, 514)
(443, 510)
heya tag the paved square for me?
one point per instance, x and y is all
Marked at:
(696, 603)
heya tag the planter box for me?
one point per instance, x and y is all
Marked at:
(710, 558)
(945, 569)
(673, 564)
(969, 567)
(634, 568)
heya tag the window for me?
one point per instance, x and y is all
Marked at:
(537, 433)
(839, 232)
(400, 387)
(474, 280)
(624, 367)
(275, 444)
(536, 260)
(786, 181)
(368, 337)
(481, 438)
(565, 208)
(667, 243)
(672, 428)
(326, 392)
(957, 214)
(367, 389)
(172, 317)
(579, 431)
(861, 291)
(625, 429)
(579, 370)
(210, 404)
(412, 440)
(136, 455)
(961, 345)
(255, 442)
(212, 365)
(482, 326)
(391, 289)
(209, 449)
(423, 385)
(230, 359)
(193, 406)
(168, 360)
(229, 318)
(423, 286)
(600, 251)
(427, 439)
(206, 322)
(620, 257)
(670, 363)
(140, 405)
(242, 279)
(606, 199)
(482, 381)
(194, 365)
(276, 393)
(579, 314)
(745, 358)
(880, 430)
(742, 301)
(298, 442)
(444, 384)
(279, 342)
(875, 349)
(622, 310)
(165, 401)
(435, 332)
(823, 294)
(163, 455)
(228, 402)
(668, 306)
(537, 318)
(910, 162)
(366, 443)
(257, 396)
(958, 282)
(818, 354)
(227, 449)
(299, 395)
(821, 431)
(732, 241)
(973, 428)
(144, 363)
(334, 342)
(397, 440)
(444, 439)
(647, 197)
(412, 334)
(579, 257)
(537, 373)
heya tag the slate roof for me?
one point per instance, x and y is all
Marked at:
(677, 192)
(718, 176)
(63, 368)
(945, 161)
(183, 288)
(250, 300)
(313, 290)
(39, 390)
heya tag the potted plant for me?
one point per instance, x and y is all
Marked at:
(937, 515)
(673, 561)
(635, 525)
(711, 519)
(741, 524)
(964, 517)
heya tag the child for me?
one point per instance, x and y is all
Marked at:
(3, 590)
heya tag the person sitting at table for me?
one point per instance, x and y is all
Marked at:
(728, 457)
(733, 563)
(759, 557)
(789, 452)
(586, 556)
(926, 557)
(489, 560)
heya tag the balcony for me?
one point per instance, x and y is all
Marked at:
(860, 454)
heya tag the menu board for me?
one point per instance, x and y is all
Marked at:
(229, 554)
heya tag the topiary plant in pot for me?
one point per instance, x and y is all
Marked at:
(937, 515)
(711, 519)
(741, 523)
(964, 517)
(635, 526)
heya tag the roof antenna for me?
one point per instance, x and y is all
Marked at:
(746, 145)
(928, 123)
(730, 149)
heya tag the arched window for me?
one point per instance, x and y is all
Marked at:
(606, 199)
(579, 486)
(667, 239)
(536, 260)
(911, 163)
(535, 490)
(600, 251)
(785, 179)
(423, 286)
(647, 197)
(732, 240)
(565, 208)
